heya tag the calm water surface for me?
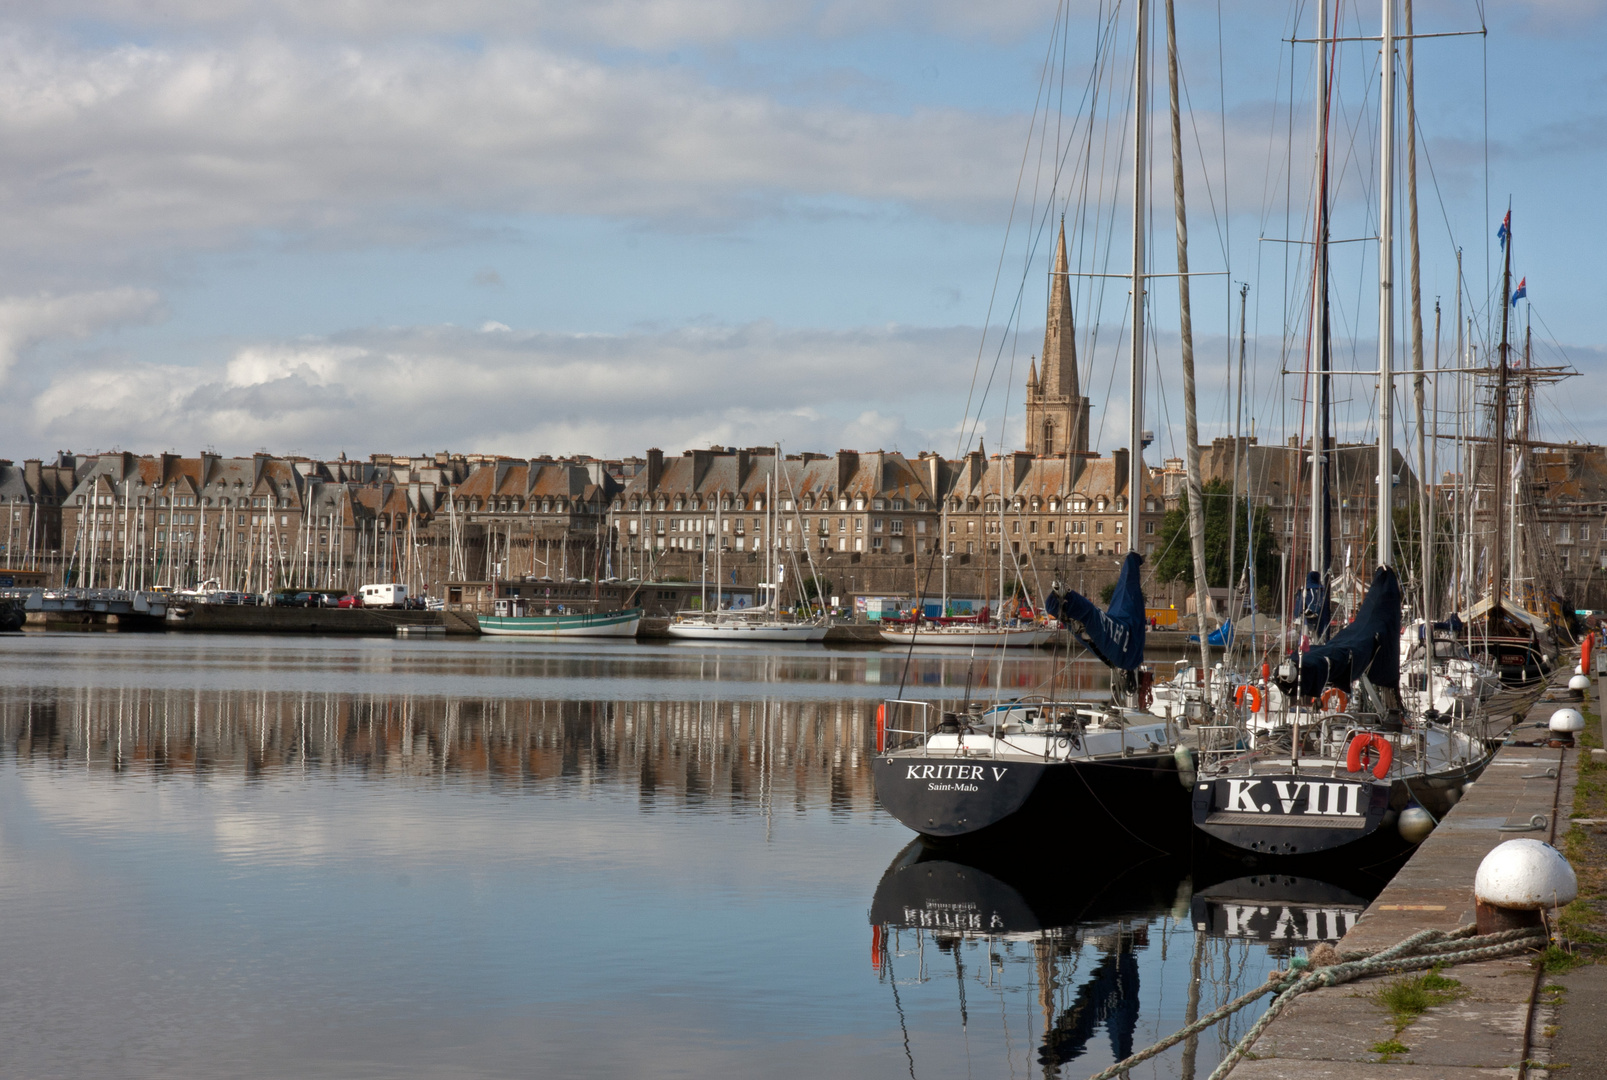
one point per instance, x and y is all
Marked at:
(299, 857)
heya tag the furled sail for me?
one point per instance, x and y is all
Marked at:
(1370, 646)
(1116, 635)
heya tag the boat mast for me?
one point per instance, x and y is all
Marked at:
(1497, 585)
(1386, 295)
(1135, 457)
(1191, 425)
(1320, 557)
(1424, 532)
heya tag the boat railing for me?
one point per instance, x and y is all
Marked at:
(902, 724)
(1218, 743)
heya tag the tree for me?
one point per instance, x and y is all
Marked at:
(1176, 560)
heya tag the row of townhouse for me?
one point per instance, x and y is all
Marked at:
(885, 504)
(263, 522)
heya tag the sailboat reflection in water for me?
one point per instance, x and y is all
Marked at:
(1090, 955)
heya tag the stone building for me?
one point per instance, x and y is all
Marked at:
(1057, 413)
(31, 499)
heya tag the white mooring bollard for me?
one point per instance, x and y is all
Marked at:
(1517, 881)
(1564, 725)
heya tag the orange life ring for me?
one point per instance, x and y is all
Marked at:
(1359, 744)
(881, 727)
(1334, 692)
(1251, 692)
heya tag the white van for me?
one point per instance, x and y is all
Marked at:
(384, 596)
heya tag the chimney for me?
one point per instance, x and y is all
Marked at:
(700, 466)
(744, 462)
(1021, 465)
(655, 468)
(1118, 482)
(847, 467)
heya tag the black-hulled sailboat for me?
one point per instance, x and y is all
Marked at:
(1108, 769)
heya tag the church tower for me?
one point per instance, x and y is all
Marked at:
(1057, 415)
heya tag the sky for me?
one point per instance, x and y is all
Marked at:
(550, 228)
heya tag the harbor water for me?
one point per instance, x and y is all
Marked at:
(297, 857)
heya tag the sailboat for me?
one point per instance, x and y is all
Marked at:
(1348, 761)
(1109, 767)
(765, 621)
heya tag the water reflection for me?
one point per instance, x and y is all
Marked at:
(732, 756)
(253, 857)
(1101, 946)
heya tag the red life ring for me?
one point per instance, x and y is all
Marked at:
(1359, 744)
(1251, 692)
(881, 727)
(1344, 700)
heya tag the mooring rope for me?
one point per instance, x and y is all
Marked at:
(1423, 950)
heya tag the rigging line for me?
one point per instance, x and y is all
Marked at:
(1005, 246)
(1013, 320)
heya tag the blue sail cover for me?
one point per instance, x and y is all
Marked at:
(1315, 606)
(1370, 646)
(1116, 636)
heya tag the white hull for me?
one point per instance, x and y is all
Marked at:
(751, 631)
(965, 637)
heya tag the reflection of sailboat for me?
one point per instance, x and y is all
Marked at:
(996, 893)
(1082, 946)
(1282, 910)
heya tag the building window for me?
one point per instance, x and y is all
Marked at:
(920, 526)
(1149, 552)
(1121, 526)
(1149, 530)
(970, 549)
(1099, 526)
(876, 523)
(896, 527)
(876, 543)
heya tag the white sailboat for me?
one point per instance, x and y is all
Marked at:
(766, 621)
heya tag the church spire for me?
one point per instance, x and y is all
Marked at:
(1057, 413)
(1060, 333)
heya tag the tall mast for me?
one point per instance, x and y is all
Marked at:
(1386, 295)
(1497, 567)
(1135, 457)
(1191, 424)
(1320, 558)
(1424, 533)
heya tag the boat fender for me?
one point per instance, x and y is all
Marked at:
(881, 727)
(1251, 692)
(1359, 743)
(1332, 694)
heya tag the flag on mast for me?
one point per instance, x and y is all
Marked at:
(1520, 292)
(1505, 230)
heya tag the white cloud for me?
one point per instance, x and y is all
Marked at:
(525, 393)
(113, 149)
(26, 321)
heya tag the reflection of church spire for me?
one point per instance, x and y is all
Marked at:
(1060, 333)
(1057, 414)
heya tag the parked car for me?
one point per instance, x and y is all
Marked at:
(350, 601)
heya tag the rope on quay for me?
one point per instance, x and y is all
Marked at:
(1423, 950)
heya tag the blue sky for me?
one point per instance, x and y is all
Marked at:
(551, 228)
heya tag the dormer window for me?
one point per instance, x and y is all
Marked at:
(680, 503)
(859, 502)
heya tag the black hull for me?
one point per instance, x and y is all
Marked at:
(1518, 662)
(1139, 799)
(1366, 836)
